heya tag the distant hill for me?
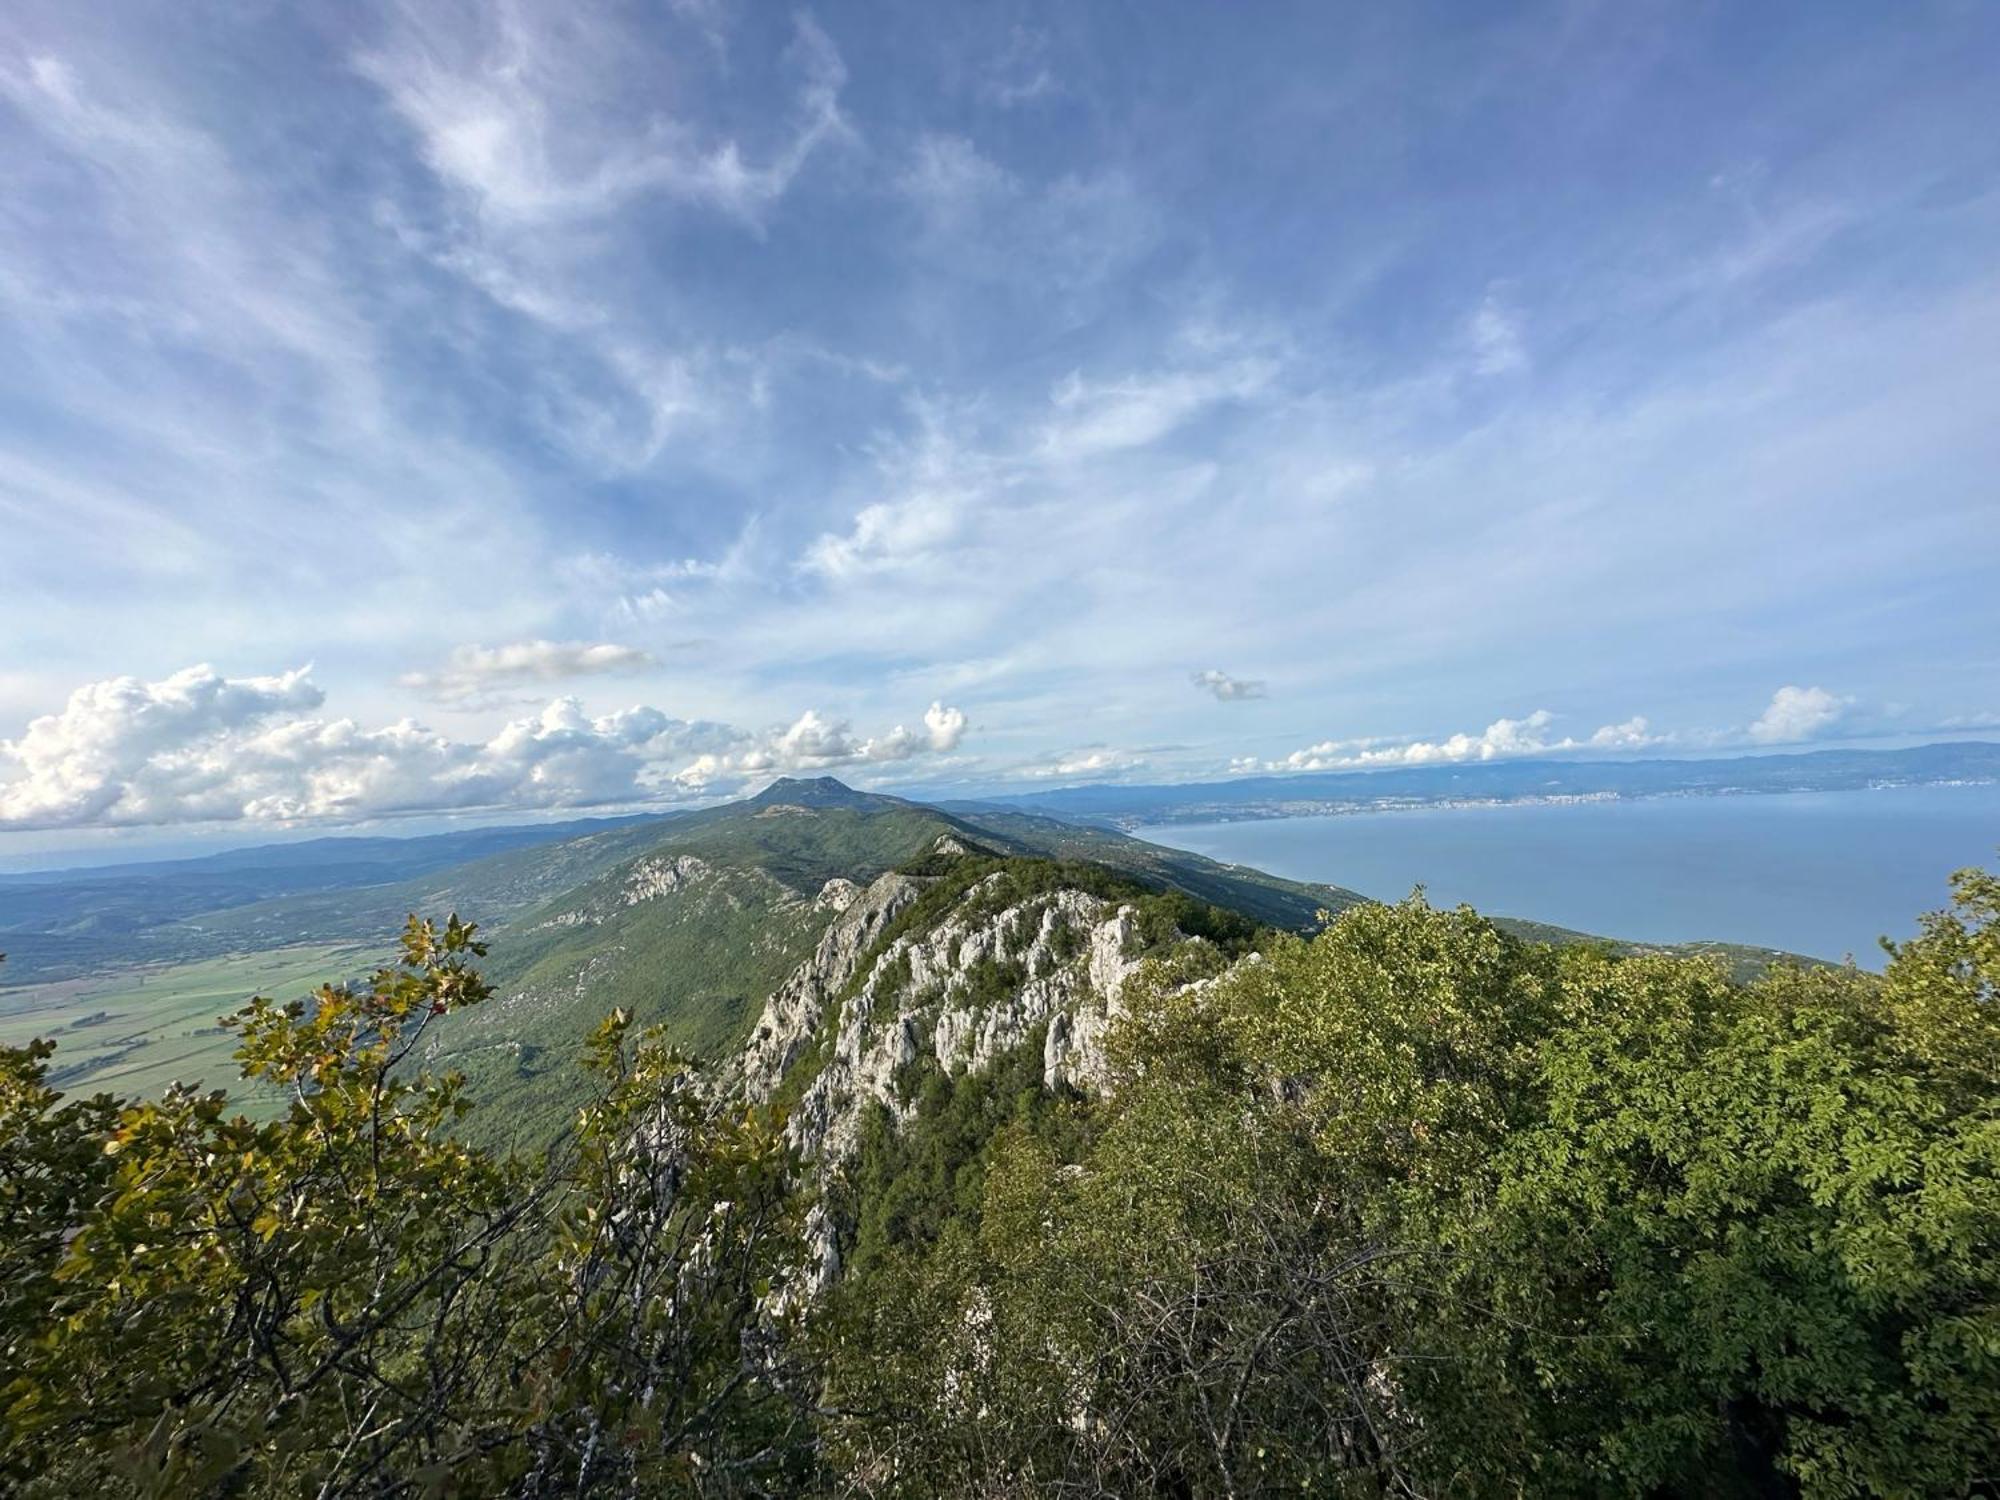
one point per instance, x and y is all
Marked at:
(1311, 793)
(58, 923)
(351, 858)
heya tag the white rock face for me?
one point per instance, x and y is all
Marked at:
(651, 879)
(964, 993)
(836, 895)
(682, 876)
(1076, 1057)
(792, 1015)
(822, 1267)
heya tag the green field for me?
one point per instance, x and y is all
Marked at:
(133, 1031)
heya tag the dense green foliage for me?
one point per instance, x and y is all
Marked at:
(910, 1183)
(1407, 1207)
(351, 1300)
(1414, 1207)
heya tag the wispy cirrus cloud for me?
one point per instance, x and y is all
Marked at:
(950, 479)
(1022, 72)
(1496, 339)
(529, 114)
(546, 135)
(1064, 239)
(888, 534)
(1093, 417)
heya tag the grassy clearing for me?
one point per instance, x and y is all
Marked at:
(134, 1031)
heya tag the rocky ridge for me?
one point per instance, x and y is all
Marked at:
(860, 1014)
(658, 877)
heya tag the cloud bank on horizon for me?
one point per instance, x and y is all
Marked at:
(1583, 374)
(198, 747)
(201, 748)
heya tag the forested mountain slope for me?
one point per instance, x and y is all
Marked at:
(59, 923)
(695, 931)
(1029, 1177)
(689, 920)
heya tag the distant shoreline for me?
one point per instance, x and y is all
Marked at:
(1505, 781)
(1822, 871)
(1273, 812)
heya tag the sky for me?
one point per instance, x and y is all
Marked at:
(435, 408)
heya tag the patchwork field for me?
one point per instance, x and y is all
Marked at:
(134, 1031)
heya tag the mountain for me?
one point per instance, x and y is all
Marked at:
(1290, 904)
(697, 929)
(691, 932)
(692, 921)
(1130, 806)
(349, 859)
(67, 924)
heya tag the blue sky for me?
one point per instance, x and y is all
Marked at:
(449, 408)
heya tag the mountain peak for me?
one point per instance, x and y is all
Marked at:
(813, 791)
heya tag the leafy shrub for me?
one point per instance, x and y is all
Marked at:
(352, 1300)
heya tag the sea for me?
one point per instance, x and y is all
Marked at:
(1826, 874)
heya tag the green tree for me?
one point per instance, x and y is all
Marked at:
(1757, 1231)
(661, 1349)
(1172, 1303)
(52, 1168)
(351, 1300)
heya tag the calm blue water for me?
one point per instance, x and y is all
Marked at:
(1821, 873)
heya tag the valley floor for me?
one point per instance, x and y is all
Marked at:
(136, 1030)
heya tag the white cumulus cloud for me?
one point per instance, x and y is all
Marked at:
(1798, 713)
(1633, 734)
(199, 747)
(813, 743)
(1502, 738)
(1082, 765)
(124, 741)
